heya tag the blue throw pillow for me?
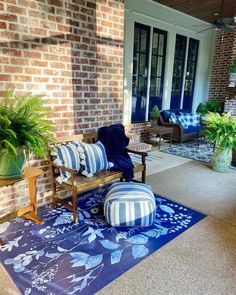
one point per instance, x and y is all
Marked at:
(165, 115)
(94, 158)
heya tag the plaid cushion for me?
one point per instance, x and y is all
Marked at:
(182, 121)
(173, 119)
(191, 119)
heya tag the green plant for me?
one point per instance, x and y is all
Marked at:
(155, 113)
(212, 105)
(233, 67)
(23, 124)
(221, 130)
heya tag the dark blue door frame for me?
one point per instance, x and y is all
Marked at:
(140, 71)
(158, 62)
(190, 74)
(178, 71)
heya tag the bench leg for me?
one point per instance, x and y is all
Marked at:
(54, 197)
(144, 175)
(75, 206)
(121, 179)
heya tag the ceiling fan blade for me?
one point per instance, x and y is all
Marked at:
(228, 20)
(210, 28)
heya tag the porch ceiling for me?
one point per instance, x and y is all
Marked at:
(203, 9)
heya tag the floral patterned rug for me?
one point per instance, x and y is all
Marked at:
(191, 150)
(60, 257)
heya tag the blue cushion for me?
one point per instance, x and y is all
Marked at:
(95, 158)
(165, 115)
(68, 156)
(130, 204)
(191, 129)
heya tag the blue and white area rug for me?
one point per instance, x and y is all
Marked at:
(60, 257)
(192, 151)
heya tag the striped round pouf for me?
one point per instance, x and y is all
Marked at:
(130, 204)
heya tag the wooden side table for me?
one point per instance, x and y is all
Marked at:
(159, 130)
(29, 212)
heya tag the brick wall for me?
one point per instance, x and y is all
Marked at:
(224, 54)
(71, 50)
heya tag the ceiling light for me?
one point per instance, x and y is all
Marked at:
(216, 13)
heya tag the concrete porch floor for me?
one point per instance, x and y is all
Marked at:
(202, 260)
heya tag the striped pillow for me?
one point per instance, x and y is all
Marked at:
(68, 156)
(173, 119)
(130, 204)
(95, 158)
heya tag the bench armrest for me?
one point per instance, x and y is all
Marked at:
(137, 152)
(73, 172)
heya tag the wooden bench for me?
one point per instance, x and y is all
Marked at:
(79, 183)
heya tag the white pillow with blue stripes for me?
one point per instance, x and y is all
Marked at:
(130, 204)
(94, 159)
(68, 156)
(173, 118)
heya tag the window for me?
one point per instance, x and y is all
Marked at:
(148, 70)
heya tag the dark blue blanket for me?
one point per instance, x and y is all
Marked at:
(115, 141)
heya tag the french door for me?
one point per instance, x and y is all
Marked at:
(178, 72)
(157, 69)
(190, 74)
(140, 72)
(148, 70)
(185, 64)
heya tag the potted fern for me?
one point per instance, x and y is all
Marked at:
(155, 114)
(221, 131)
(23, 129)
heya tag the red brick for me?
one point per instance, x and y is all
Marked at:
(16, 9)
(3, 25)
(8, 17)
(5, 77)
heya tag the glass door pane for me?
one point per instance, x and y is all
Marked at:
(157, 68)
(178, 73)
(190, 74)
(140, 72)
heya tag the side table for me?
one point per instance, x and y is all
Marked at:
(29, 212)
(159, 130)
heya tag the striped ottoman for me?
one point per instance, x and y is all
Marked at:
(130, 204)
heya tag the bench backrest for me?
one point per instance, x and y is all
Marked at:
(87, 138)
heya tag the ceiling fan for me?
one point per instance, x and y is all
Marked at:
(226, 24)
